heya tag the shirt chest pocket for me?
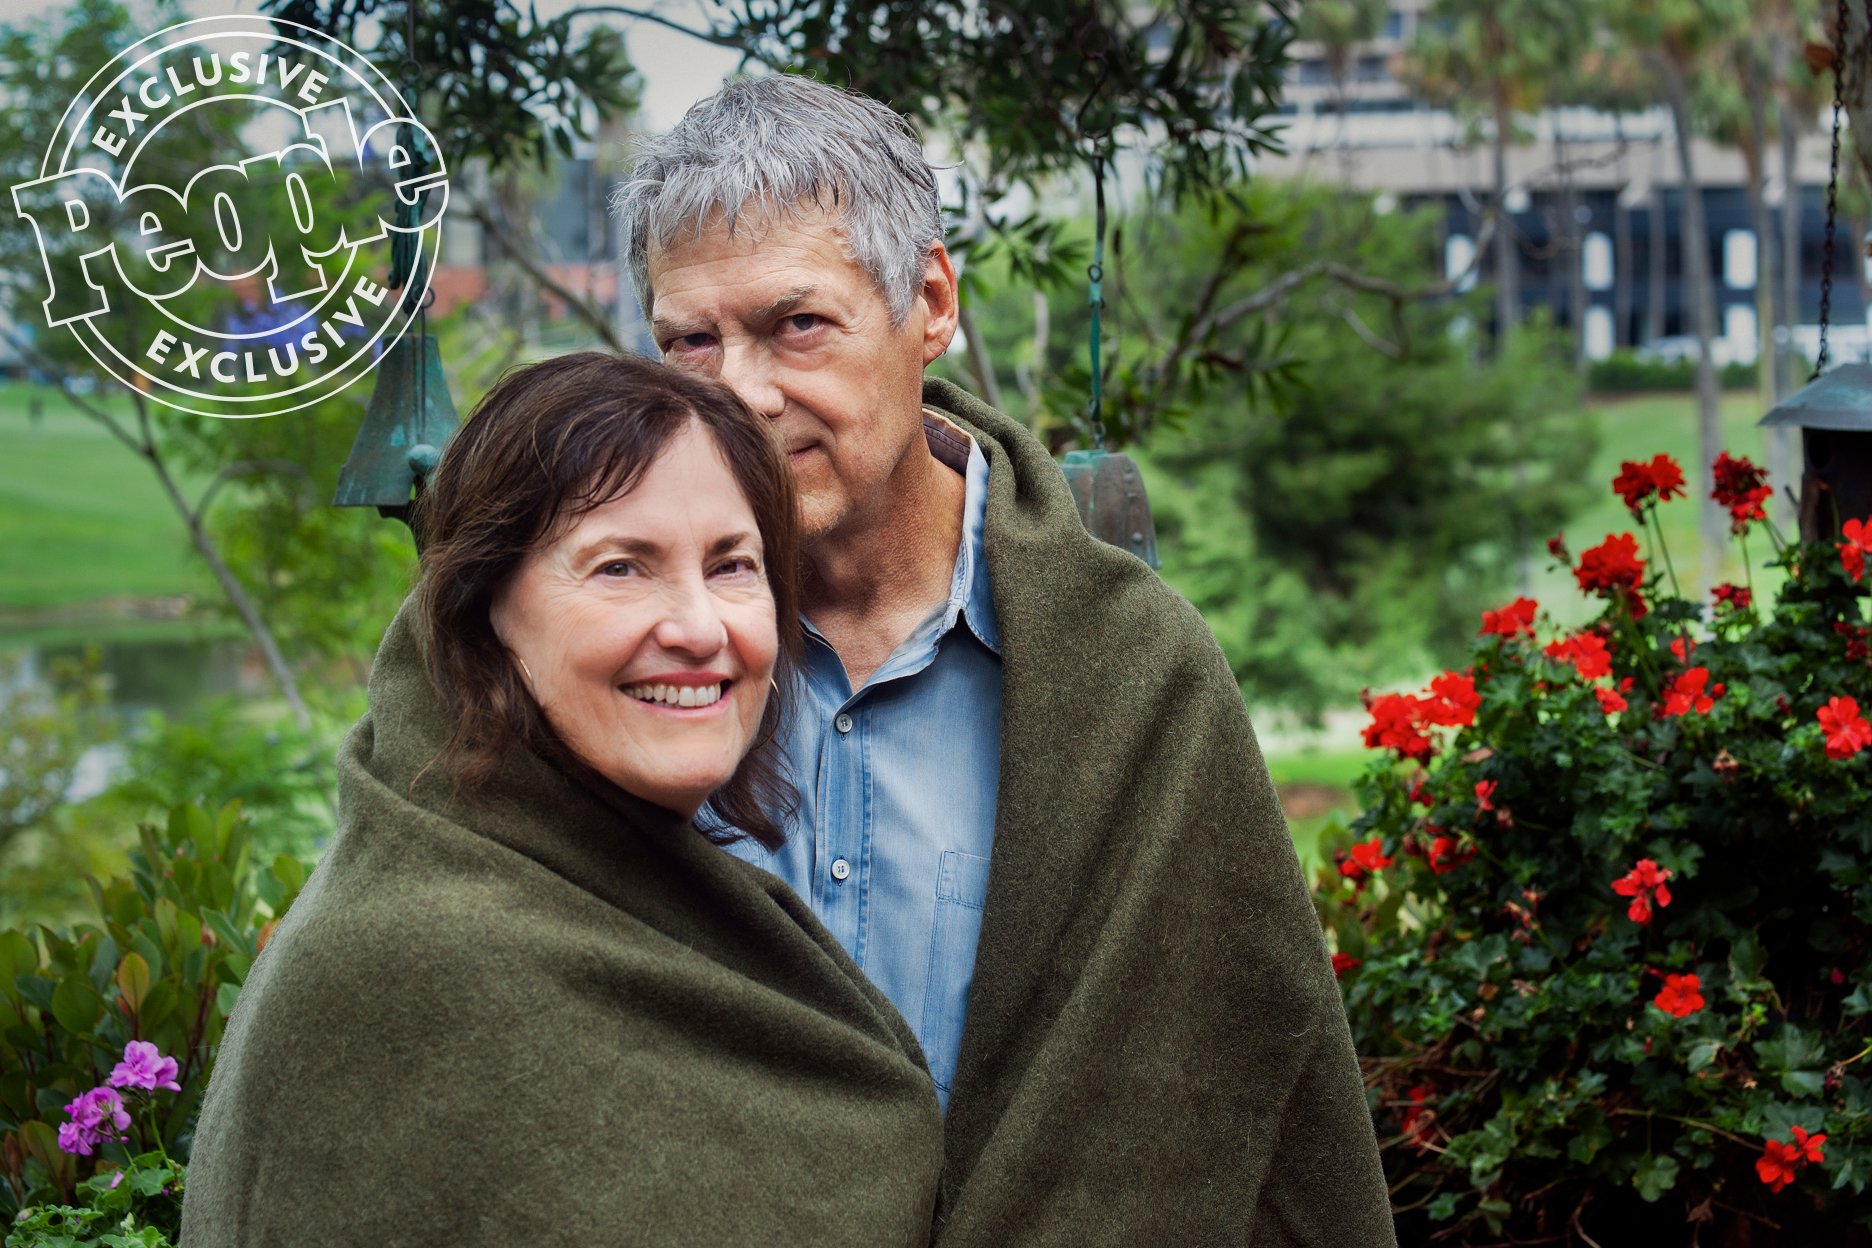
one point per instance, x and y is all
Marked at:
(961, 891)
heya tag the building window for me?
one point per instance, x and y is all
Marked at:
(1598, 332)
(1738, 263)
(1596, 262)
(1459, 258)
(1740, 328)
(1393, 24)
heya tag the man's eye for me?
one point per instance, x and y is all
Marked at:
(803, 322)
(690, 342)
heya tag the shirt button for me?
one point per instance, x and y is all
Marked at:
(840, 869)
(844, 724)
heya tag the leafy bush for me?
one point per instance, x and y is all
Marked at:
(1605, 925)
(1625, 372)
(162, 962)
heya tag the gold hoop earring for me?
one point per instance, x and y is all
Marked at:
(775, 686)
(525, 671)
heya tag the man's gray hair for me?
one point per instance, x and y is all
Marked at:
(772, 147)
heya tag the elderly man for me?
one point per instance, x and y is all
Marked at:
(1031, 804)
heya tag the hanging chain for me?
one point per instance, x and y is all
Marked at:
(1095, 410)
(1832, 197)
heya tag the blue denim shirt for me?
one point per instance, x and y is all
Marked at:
(897, 781)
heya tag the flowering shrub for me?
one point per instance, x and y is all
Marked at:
(97, 1022)
(146, 1211)
(1604, 929)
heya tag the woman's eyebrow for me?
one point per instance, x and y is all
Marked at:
(640, 548)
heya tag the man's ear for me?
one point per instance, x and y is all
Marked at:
(939, 297)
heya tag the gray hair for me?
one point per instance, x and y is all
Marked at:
(771, 147)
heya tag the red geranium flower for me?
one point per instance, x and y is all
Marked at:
(1644, 883)
(1856, 547)
(1680, 996)
(1742, 488)
(1364, 859)
(1397, 719)
(1510, 621)
(1452, 702)
(1343, 962)
(1613, 568)
(1418, 793)
(1557, 547)
(1416, 1120)
(1585, 651)
(1686, 694)
(1485, 795)
(1682, 648)
(1735, 597)
(1445, 855)
(1637, 482)
(1779, 1162)
(1776, 1164)
(1611, 701)
(1847, 731)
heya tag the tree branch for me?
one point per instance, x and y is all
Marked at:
(253, 467)
(515, 251)
(713, 36)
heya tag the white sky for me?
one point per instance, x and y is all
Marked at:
(677, 70)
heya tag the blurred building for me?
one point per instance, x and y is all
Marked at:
(1594, 199)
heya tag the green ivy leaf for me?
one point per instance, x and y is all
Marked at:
(1702, 1053)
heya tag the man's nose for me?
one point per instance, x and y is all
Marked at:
(692, 621)
(749, 372)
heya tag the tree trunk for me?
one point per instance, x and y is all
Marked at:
(980, 365)
(1789, 373)
(1571, 231)
(1507, 268)
(1660, 243)
(1700, 297)
(1621, 272)
(1755, 160)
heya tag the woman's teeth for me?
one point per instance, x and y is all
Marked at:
(676, 695)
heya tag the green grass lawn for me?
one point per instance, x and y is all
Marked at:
(81, 517)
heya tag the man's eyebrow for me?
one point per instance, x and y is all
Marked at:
(778, 307)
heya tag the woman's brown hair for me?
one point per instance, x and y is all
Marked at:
(550, 442)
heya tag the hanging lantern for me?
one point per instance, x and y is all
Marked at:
(1834, 414)
(410, 419)
(411, 416)
(1833, 410)
(1109, 490)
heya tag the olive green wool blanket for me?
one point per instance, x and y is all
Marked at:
(1155, 1052)
(555, 1017)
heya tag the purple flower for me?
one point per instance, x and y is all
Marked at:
(95, 1116)
(144, 1067)
(75, 1139)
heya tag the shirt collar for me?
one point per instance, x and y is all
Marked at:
(971, 593)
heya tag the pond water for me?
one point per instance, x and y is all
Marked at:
(168, 675)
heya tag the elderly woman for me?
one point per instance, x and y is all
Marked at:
(523, 999)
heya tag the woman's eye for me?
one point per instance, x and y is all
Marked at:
(617, 567)
(740, 565)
